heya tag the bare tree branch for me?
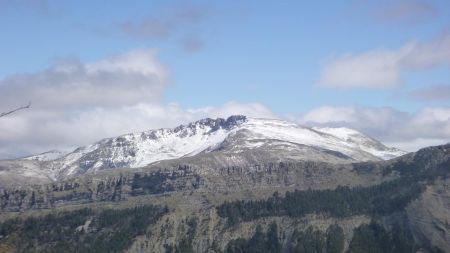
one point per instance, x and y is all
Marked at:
(15, 110)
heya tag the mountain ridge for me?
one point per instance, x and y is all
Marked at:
(231, 138)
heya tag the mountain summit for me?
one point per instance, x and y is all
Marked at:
(235, 138)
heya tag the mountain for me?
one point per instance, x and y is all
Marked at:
(228, 185)
(193, 204)
(238, 140)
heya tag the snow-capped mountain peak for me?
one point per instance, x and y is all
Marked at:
(139, 149)
(233, 136)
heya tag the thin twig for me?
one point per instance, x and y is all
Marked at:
(15, 110)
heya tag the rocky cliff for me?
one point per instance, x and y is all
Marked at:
(192, 189)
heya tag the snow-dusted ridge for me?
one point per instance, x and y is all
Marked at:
(364, 142)
(47, 156)
(139, 149)
(344, 140)
(233, 135)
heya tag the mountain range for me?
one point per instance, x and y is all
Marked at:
(228, 185)
(233, 137)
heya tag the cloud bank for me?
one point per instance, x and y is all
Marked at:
(408, 131)
(119, 80)
(383, 68)
(76, 103)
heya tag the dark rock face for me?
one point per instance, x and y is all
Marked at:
(64, 193)
(183, 178)
(215, 124)
(173, 177)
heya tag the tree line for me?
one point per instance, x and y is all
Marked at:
(83, 230)
(367, 238)
(343, 201)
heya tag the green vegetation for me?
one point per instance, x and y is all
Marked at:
(367, 238)
(308, 241)
(316, 241)
(378, 200)
(373, 238)
(259, 243)
(375, 201)
(185, 245)
(84, 230)
(427, 164)
(344, 201)
(335, 239)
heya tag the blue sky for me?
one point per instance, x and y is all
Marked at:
(291, 58)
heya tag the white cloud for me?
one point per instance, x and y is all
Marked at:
(39, 131)
(382, 68)
(410, 131)
(374, 69)
(120, 80)
(327, 114)
(134, 62)
(76, 103)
